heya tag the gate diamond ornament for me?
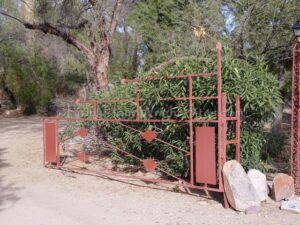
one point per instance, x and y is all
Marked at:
(149, 136)
(150, 164)
(83, 132)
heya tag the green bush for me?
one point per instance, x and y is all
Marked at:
(73, 76)
(30, 76)
(259, 97)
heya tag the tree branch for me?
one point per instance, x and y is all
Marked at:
(12, 17)
(71, 26)
(47, 28)
(115, 19)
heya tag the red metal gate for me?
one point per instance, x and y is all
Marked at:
(206, 157)
(295, 126)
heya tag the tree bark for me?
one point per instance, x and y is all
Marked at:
(101, 69)
(98, 54)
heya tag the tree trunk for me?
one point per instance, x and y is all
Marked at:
(98, 53)
(101, 69)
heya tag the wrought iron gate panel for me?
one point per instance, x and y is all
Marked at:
(220, 122)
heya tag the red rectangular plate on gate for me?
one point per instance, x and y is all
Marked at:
(205, 155)
(50, 142)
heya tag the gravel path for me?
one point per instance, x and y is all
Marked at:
(33, 195)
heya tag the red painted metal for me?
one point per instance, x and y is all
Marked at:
(206, 170)
(150, 164)
(219, 113)
(191, 137)
(50, 142)
(172, 78)
(157, 139)
(202, 175)
(223, 140)
(238, 128)
(149, 136)
(95, 110)
(132, 120)
(295, 123)
(237, 120)
(83, 157)
(161, 99)
(83, 132)
(192, 97)
(182, 183)
(138, 111)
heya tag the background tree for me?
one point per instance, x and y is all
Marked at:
(65, 19)
(117, 38)
(263, 28)
(172, 29)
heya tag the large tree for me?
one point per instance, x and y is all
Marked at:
(263, 28)
(172, 29)
(88, 25)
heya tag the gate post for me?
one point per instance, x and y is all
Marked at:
(238, 128)
(223, 150)
(51, 150)
(295, 126)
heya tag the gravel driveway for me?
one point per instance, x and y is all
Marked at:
(33, 195)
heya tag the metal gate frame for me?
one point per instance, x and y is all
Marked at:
(52, 141)
(295, 120)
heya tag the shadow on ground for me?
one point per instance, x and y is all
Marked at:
(8, 190)
(8, 125)
(215, 196)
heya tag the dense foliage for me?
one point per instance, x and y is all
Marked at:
(175, 28)
(259, 96)
(31, 77)
(164, 38)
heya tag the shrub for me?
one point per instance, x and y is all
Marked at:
(259, 97)
(30, 76)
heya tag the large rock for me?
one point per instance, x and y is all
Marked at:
(238, 188)
(292, 205)
(259, 181)
(283, 187)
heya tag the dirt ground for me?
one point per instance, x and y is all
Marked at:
(33, 195)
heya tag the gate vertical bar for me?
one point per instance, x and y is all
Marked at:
(191, 129)
(219, 111)
(295, 128)
(224, 141)
(138, 112)
(95, 109)
(237, 128)
(44, 142)
(51, 152)
(224, 129)
(57, 144)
